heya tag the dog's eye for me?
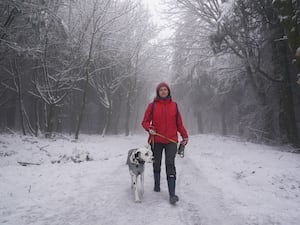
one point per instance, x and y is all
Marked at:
(147, 154)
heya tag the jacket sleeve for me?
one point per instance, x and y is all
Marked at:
(147, 118)
(181, 128)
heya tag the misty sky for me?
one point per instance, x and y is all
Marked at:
(156, 8)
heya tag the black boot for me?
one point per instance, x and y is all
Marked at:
(171, 185)
(157, 181)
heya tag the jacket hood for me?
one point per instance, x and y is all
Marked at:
(159, 99)
(163, 84)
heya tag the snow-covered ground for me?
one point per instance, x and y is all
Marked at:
(220, 181)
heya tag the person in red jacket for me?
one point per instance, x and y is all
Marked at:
(163, 120)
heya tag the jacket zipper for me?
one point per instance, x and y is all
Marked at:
(166, 124)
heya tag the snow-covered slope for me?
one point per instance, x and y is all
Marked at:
(220, 181)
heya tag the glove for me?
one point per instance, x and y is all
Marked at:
(151, 130)
(184, 141)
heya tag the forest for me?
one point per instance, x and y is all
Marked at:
(91, 66)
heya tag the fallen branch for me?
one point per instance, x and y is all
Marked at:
(28, 164)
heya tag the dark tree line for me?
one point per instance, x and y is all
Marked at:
(237, 61)
(89, 66)
(71, 66)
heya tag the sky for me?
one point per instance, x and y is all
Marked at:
(156, 8)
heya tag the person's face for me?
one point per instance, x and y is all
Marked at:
(163, 92)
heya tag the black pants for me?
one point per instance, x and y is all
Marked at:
(170, 153)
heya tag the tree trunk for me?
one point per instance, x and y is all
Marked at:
(127, 114)
(262, 115)
(86, 69)
(108, 120)
(118, 111)
(223, 121)
(58, 120)
(287, 111)
(260, 96)
(200, 122)
(50, 121)
(116, 130)
(288, 10)
(287, 119)
(37, 118)
(17, 81)
(83, 103)
(21, 108)
(11, 112)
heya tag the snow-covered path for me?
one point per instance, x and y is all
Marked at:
(220, 181)
(202, 203)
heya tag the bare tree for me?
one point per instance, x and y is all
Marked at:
(288, 13)
(17, 88)
(56, 54)
(101, 18)
(235, 28)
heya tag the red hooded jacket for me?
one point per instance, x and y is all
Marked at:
(163, 119)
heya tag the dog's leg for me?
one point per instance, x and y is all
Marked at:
(131, 177)
(136, 191)
(142, 183)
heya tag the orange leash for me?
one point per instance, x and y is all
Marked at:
(160, 135)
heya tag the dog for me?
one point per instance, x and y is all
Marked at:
(136, 162)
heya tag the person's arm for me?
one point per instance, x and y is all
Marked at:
(182, 130)
(147, 118)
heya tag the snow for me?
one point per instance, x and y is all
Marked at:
(226, 9)
(221, 180)
(298, 51)
(282, 18)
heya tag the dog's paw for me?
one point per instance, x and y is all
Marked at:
(138, 200)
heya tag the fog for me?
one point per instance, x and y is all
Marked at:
(92, 66)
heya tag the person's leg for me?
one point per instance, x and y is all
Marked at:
(170, 153)
(157, 155)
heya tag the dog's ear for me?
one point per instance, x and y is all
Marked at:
(137, 154)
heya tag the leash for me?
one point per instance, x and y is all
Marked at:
(180, 149)
(152, 142)
(169, 139)
(160, 135)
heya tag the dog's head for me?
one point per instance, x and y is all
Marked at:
(144, 154)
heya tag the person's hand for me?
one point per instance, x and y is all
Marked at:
(184, 141)
(152, 130)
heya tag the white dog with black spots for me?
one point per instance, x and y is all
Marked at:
(136, 162)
